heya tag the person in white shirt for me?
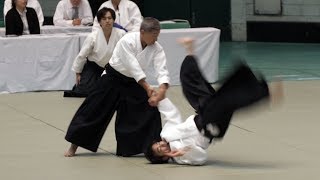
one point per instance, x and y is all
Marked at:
(186, 141)
(95, 53)
(31, 3)
(128, 14)
(124, 89)
(73, 13)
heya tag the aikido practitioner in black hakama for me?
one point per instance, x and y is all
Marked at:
(123, 89)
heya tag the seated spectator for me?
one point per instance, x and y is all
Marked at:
(31, 3)
(21, 19)
(73, 13)
(95, 54)
(128, 14)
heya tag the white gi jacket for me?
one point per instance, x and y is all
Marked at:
(64, 12)
(31, 3)
(128, 16)
(131, 60)
(96, 48)
(181, 134)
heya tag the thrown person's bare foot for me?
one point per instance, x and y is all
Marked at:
(187, 43)
(71, 151)
(276, 92)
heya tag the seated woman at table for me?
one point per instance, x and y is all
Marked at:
(21, 19)
(73, 13)
(31, 3)
(95, 54)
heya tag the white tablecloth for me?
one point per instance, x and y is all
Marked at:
(32, 63)
(43, 62)
(57, 30)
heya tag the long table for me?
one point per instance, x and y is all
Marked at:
(43, 62)
(33, 63)
(49, 29)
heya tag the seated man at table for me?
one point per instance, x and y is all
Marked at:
(130, 18)
(73, 13)
(31, 3)
(21, 19)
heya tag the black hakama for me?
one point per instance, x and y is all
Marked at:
(90, 75)
(215, 108)
(137, 123)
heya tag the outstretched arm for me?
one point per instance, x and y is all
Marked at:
(158, 95)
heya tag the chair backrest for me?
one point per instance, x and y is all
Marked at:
(175, 24)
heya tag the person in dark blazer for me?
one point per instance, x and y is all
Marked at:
(21, 19)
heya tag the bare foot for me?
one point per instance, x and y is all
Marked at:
(71, 151)
(187, 43)
(276, 92)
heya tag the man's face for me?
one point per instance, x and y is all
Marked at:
(160, 148)
(150, 37)
(106, 21)
(75, 2)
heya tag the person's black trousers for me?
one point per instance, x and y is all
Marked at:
(90, 75)
(137, 123)
(240, 89)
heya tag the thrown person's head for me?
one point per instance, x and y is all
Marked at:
(156, 152)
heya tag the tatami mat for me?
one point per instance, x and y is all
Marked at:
(279, 142)
(262, 143)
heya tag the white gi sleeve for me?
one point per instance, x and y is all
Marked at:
(81, 59)
(135, 17)
(174, 128)
(195, 155)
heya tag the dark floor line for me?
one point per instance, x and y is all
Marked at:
(242, 128)
(281, 142)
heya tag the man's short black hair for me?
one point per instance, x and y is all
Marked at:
(153, 158)
(103, 11)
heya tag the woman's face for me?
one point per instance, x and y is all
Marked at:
(106, 22)
(21, 3)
